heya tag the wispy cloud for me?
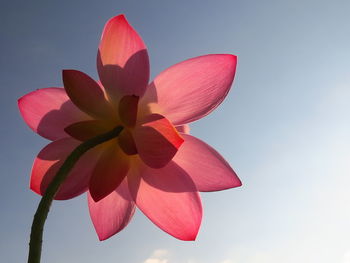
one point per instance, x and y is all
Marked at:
(158, 256)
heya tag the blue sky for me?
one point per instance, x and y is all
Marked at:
(284, 127)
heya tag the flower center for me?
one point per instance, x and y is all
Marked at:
(127, 110)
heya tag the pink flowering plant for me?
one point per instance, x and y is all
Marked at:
(126, 141)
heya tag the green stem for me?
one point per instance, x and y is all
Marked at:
(45, 203)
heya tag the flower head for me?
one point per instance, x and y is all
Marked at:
(154, 164)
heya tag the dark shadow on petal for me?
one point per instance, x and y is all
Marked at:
(48, 154)
(116, 81)
(133, 186)
(61, 118)
(82, 172)
(124, 191)
(155, 150)
(49, 175)
(132, 79)
(152, 96)
(163, 181)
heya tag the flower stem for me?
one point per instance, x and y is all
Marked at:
(45, 202)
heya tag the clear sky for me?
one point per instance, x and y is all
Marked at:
(284, 127)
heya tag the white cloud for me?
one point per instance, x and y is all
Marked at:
(163, 256)
(158, 256)
(156, 260)
(346, 257)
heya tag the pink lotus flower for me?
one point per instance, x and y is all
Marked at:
(154, 164)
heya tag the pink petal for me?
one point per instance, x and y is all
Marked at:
(157, 141)
(112, 213)
(109, 172)
(48, 111)
(85, 130)
(122, 60)
(127, 143)
(207, 168)
(51, 158)
(86, 94)
(128, 110)
(183, 128)
(193, 88)
(168, 197)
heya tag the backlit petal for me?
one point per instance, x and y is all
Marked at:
(127, 143)
(85, 130)
(109, 172)
(193, 88)
(183, 128)
(48, 111)
(112, 213)
(86, 94)
(207, 168)
(157, 141)
(51, 158)
(169, 198)
(122, 60)
(128, 106)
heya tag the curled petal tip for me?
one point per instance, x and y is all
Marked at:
(231, 57)
(189, 237)
(67, 71)
(234, 58)
(102, 238)
(193, 238)
(121, 16)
